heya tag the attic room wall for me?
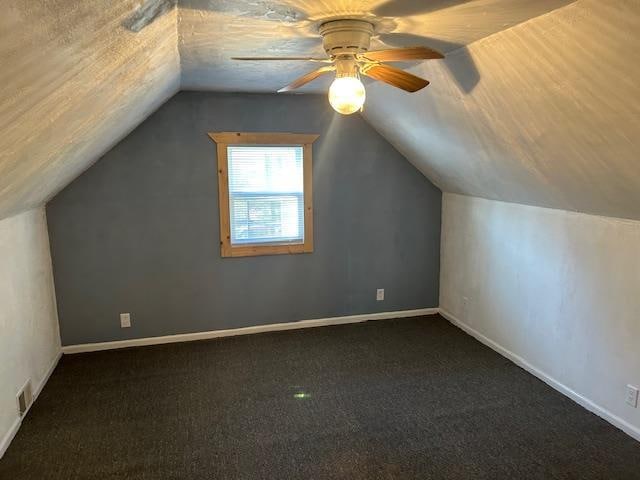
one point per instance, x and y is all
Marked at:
(29, 336)
(555, 288)
(138, 232)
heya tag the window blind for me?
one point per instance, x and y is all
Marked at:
(266, 194)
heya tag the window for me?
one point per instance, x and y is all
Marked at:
(265, 193)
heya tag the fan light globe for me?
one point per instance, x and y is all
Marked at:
(346, 95)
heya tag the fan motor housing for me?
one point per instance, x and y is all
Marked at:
(346, 37)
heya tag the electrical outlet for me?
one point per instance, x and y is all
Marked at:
(125, 320)
(632, 396)
(380, 294)
(464, 314)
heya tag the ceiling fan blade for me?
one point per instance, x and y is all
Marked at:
(285, 59)
(394, 76)
(402, 54)
(309, 77)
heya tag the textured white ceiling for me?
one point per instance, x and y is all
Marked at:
(75, 79)
(212, 31)
(545, 112)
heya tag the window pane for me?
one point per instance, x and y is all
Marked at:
(266, 198)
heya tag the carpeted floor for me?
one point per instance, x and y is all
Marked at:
(394, 399)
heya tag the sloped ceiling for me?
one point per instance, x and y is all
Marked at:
(75, 78)
(547, 114)
(542, 112)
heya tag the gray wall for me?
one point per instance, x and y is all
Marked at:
(138, 232)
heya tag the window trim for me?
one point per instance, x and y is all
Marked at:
(223, 140)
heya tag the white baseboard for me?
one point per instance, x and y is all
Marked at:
(188, 337)
(6, 440)
(623, 425)
(40, 386)
(8, 437)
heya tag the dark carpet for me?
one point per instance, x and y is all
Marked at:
(395, 399)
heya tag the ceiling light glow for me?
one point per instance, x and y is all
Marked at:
(347, 95)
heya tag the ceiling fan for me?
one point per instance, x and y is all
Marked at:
(347, 45)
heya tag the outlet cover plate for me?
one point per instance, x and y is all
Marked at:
(125, 320)
(632, 396)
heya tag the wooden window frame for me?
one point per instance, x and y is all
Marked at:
(224, 140)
